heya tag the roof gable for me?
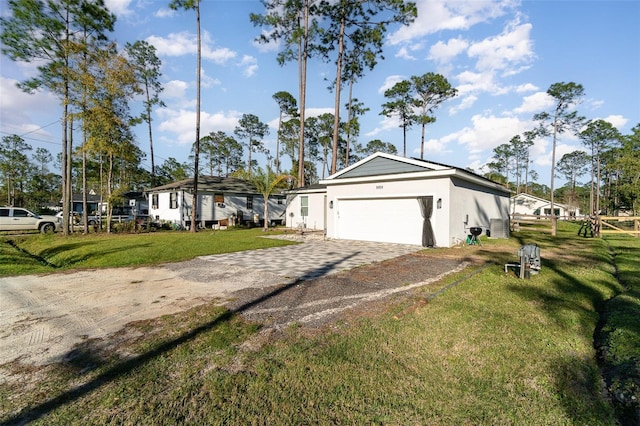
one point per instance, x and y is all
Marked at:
(380, 164)
(532, 199)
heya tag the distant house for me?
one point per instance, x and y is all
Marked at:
(221, 201)
(93, 201)
(527, 204)
(388, 198)
(134, 203)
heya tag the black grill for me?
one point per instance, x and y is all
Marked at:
(475, 231)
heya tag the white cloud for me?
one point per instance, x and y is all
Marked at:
(389, 82)
(502, 52)
(534, 103)
(443, 53)
(175, 89)
(435, 147)
(181, 123)
(543, 159)
(273, 124)
(250, 65)
(466, 103)
(20, 111)
(206, 81)
(269, 46)
(165, 12)
(315, 112)
(488, 131)
(220, 55)
(403, 53)
(594, 104)
(617, 121)
(471, 82)
(175, 44)
(119, 7)
(185, 43)
(438, 15)
(221, 120)
(386, 124)
(527, 87)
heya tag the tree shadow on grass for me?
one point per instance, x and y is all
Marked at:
(26, 257)
(82, 358)
(575, 303)
(83, 256)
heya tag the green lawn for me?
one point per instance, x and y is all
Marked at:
(492, 349)
(37, 253)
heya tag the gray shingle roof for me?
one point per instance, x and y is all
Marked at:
(210, 183)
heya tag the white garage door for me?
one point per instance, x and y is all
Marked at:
(389, 220)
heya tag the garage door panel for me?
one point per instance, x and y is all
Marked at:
(393, 220)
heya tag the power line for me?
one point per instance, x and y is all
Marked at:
(33, 139)
(40, 128)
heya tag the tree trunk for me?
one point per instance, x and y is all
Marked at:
(153, 163)
(404, 141)
(196, 150)
(65, 163)
(349, 118)
(63, 171)
(422, 141)
(302, 60)
(85, 219)
(598, 184)
(592, 207)
(69, 186)
(336, 115)
(278, 144)
(109, 200)
(265, 226)
(553, 168)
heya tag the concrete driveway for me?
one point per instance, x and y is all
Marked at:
(42, 317)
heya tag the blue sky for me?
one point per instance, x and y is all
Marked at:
(502, 56)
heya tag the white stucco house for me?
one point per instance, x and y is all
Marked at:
(388, 198)
(221, 201)
(527, 204)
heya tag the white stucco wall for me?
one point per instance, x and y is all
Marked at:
(387, 190)
(315, 219)
(474, 206)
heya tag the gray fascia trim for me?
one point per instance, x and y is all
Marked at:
(431, 174)
(470, 177)
(387, 178)
(307, 191)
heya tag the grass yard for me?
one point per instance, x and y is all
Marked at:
(618, 340)
(492, 349)
(38, 253)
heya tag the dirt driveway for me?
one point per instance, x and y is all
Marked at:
(43, 317)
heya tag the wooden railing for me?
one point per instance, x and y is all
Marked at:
(623, 225)
(592, 227)
(528, 222)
